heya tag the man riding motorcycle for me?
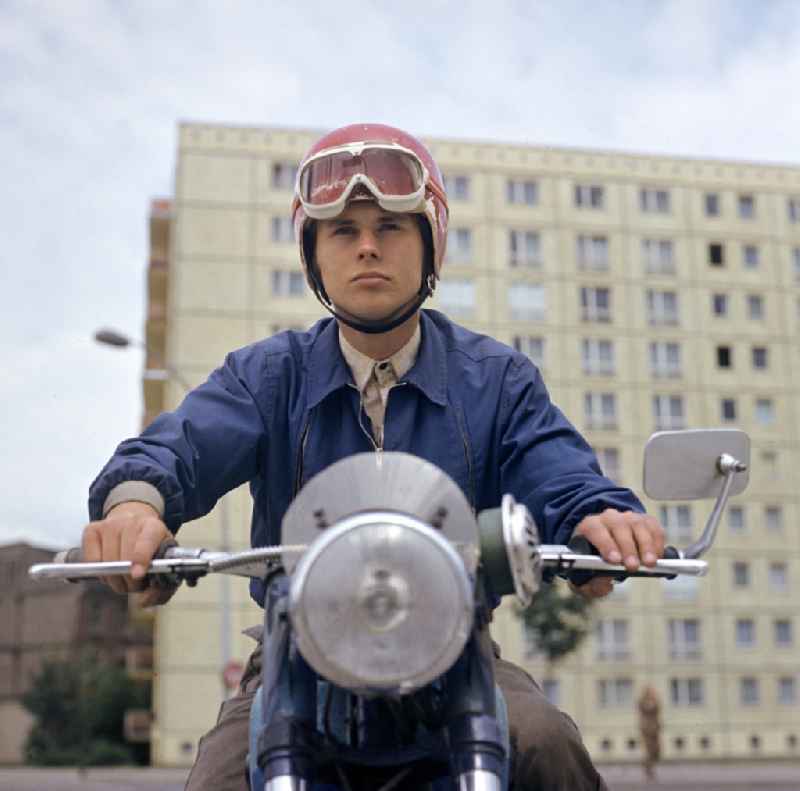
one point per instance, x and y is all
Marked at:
(370, 214)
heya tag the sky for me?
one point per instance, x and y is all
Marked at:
(91, 94)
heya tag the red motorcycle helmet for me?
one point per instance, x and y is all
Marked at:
(379, 163)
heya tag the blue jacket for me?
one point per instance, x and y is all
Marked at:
(281, 410)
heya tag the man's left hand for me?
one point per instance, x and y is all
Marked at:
(629, 538)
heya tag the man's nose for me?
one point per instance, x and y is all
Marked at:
(368, 245)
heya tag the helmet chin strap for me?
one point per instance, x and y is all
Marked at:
(387, 323)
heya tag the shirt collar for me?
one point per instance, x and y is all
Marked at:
(328, 370)
(362, 366)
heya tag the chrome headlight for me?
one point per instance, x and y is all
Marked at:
(381, 603)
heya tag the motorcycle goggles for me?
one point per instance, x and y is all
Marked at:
(394, 175)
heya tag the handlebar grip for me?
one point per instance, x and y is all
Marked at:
(581, 545)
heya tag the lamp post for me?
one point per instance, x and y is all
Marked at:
(111, 337)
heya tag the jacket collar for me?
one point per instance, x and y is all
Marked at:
(328, 370)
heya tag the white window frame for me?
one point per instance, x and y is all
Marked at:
(684, 637)
(793, 209)
(665, 359)
(662, 308)
(597, 356)
(687, 691)
(668, 412)
(749, 691)
(532, 346)
(589, 196)
(764, 412)
(722, 405)
(524, 249)
(282, 230)
(612, 638)
(595, 303)
(677, 520)
(741, 577)
(751, 256)
(746, 206)
(653, 200)
(719, 301)
(614, 693)
(284, 175)
(522, 192)
(609, 460)
(796, 263)
(759, 355)
(551, 687)
(780, 625)
(658, 256)
(778, 576)
(288, 283)
(527, 301)
(600, 411)
(457, 296)
(738, 524)
(591, 251)
(786, 690)
(457, 187)
(773, 518)
(708, 199)
(755, 307)
(459, 245)
(744, 633)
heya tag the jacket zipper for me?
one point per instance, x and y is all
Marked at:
(298, 477)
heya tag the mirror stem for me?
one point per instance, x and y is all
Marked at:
(728, 466)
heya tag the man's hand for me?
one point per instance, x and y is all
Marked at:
(131, 531)
(629, 538)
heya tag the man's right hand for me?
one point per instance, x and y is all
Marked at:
(131, 531)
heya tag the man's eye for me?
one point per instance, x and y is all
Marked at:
(389, 226)
(342, 230)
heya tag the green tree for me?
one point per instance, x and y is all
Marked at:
(79, 709)
(557, 620)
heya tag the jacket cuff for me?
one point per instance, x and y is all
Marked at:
(134, 491)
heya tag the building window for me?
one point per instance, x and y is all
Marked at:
(457, 297)
(796, 263)
(600, 411)
(608, 459)
(457, 187)
(787, 691)
(552, 691)
(524, 249)
(282, 230)
(773, 518)
(793, 208)
(525, 193)
(288, 284)
(662, 307)
(677, 522)
(589, 196)
(737, 522)
(683, 636)
(526, 302)
(750, 256)
(745, 633)
(668, 412)
(611, 638)
(724, 357)
(741, 574)
(283, 175)
(765, 411)
(727, 409)
(686, 691)
(597, 356)
(616, 693)
(748, 691)
(760, 357)
(654, 201)
(683, 588)
(665, 359)
(592, 252)
(716, 254)
(658, 257)
(747, 207)
(712, 204)
(782, 632)
(778, 576)
(532, 346)
(459, 245)
(755, 307)
(595, 304)
(719, 305)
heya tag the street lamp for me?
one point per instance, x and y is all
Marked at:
(110, 337)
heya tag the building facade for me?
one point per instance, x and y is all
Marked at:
(654, 293)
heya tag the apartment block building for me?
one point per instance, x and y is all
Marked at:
(653, 293)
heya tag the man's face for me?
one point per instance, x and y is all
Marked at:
(370, 259)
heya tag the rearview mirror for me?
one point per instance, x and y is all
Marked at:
(683, 465)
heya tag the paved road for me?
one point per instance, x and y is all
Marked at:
(696, 777)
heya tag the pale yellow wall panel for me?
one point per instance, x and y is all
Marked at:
(211, 285)
(213, 232)
(206, 340)
(221, 179)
